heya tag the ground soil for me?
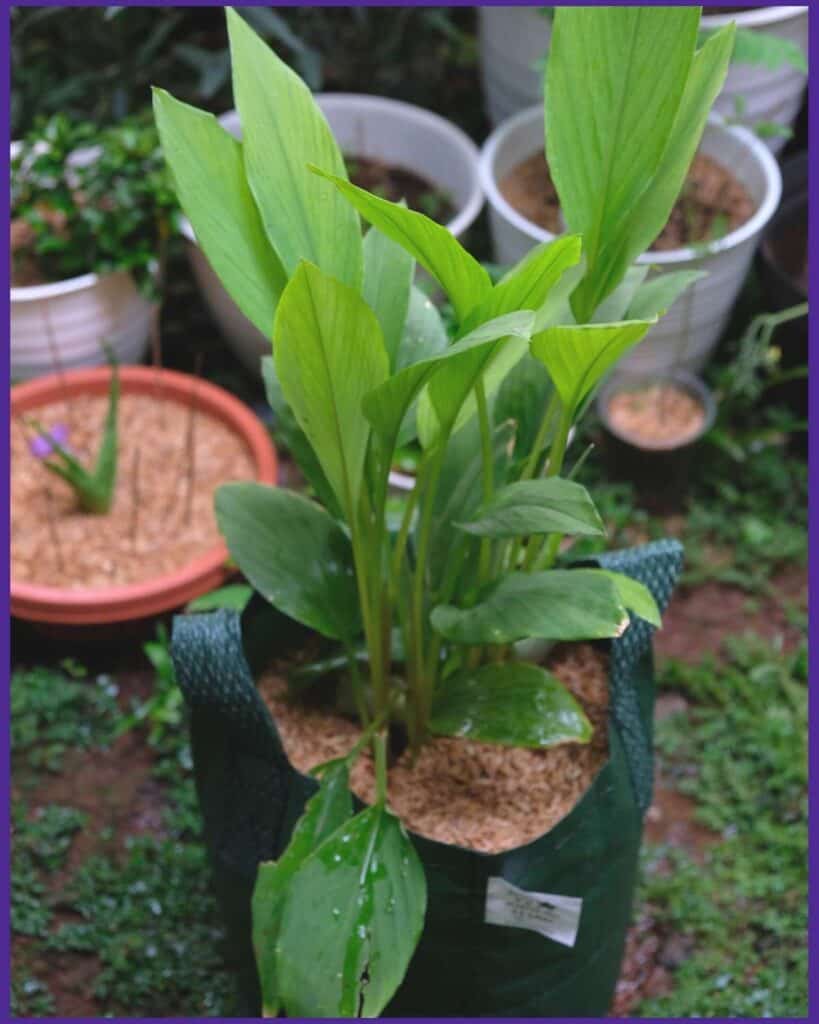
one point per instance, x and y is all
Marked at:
(397, 183)
(162, 514)
(660, 416)
(712, 203)
(458, 791)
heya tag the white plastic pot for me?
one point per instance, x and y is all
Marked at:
(365, 126)
(513, 42)
(72, 318)
(60, 325)
(688, 333)
(773, 95)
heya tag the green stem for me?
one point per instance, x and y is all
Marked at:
(556, 457)
(488, 475)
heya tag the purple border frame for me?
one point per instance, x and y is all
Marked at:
(5, 784)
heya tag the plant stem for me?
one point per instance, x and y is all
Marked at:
(488, 476)
(556, 457)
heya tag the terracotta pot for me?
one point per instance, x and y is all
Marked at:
(102, 606)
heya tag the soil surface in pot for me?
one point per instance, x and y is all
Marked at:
(713, 202)
(477, 795)
(162, 514)
(660, 416)
(397, 183)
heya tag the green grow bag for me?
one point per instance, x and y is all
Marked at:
(251, 796)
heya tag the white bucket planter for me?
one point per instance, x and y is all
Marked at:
(61, 325)
(769, 94)
(688, 333)
(72, 318)
(366, 126)
(513, 42)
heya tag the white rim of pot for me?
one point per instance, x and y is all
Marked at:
(753, 19)
(764, 212)
(456, 137)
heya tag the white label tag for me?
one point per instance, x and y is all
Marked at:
(556, 917)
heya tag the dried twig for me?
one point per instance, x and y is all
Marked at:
(190, 441)
(135, 498)
(56, 362)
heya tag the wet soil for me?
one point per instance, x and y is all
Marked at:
(713, 202)
(397, 183)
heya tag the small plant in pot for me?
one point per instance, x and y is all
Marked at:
(112, 477)
(414, 687)
(91, 211)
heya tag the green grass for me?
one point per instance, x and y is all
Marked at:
(741, 753)
(147, 914)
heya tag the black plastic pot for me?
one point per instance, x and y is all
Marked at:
(251, 796)
(660, 474)
(782, 269)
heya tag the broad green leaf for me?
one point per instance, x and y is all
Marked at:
(294, 553)
(527, 286)
(523, 397)
(624, 70)
(559, 604)
(329, 354)
(636, 597)
(613, 308)
(388, 273)
(460, 275)
(548, 505)
(325, 812)
(209, 174)
(510, 353)
(352, 917)
(763, 49)
(440, 406)
(386, 405)
(706, 78)
(296, 440)
(516, 704)
(577, 358)
(284, 130)
(657, 296)
(424, 332)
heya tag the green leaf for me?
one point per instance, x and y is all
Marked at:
(636, 597)
(548, 505)
(388, 273)
(329, 354)
(284, 130)
(578, 357)
(613, 308)
(460, 275)
(208, 170)
(424, 332)
(352, 918)
(559, 604)
(296, 440)
(657, 296)
(527, 285)
(614, 81)
(523, 397)
(461, 363)
(516, 704)
(706, 78)
(440, 408)
(234, 596)
(294, 553)
(324, 813)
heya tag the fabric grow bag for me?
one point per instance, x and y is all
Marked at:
(251, 796)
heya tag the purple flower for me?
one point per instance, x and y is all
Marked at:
(43, 445)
